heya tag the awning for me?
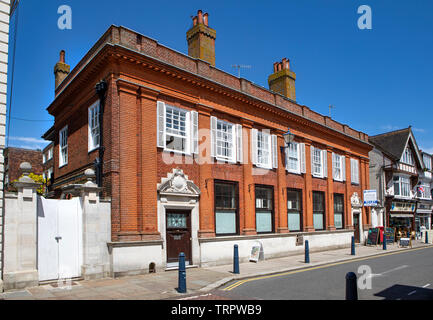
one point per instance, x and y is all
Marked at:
(401, 215)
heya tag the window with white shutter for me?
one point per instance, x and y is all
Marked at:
(338, 167)
(318, 162)
(177, 129)
(274, 151)
(239, 143)
(224, 136)
(93, 127)
(63, 147)
(354, 169)
(264, 150)
(293, 157)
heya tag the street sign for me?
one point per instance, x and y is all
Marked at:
(370, 198)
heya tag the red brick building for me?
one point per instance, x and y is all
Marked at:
(14, 157)
(194, 159)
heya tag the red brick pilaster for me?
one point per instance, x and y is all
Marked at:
(281, 205)
(330, 193)
(207, 215)
(249, 207)
(308, 190)
(348, 212)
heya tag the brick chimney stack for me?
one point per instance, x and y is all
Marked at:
(283, 79)
(61, 69)
(201, 39)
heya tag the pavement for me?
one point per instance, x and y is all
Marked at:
(162, 285)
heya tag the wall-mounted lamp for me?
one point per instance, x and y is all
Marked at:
(249, 187)
(207, 181)
(288, 138)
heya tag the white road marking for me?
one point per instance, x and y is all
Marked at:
(385, 272)
(395, 269)
(426, 285)
(411, 293)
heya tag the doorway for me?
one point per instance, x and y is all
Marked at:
(178, 236)
(356, 227)
(59, 239)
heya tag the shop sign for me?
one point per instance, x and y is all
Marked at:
(403, 206)
(424, 206)
(370, 198)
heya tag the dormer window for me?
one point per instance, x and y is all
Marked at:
(407, 157)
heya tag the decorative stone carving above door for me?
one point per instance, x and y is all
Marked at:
(177, 183)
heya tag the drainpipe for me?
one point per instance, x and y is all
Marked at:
(101, 90)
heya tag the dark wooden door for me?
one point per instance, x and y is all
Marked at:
(356, 226)
(178, 235)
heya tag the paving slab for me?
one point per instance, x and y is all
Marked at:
(162, 285)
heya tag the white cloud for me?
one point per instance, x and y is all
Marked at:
(28, 139)
(420, 130)
(27, 142)
(389, 127)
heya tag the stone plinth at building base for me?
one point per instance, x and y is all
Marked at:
(134, 258)
(94, 272)
(20, 280)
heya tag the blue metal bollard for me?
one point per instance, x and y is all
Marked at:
(426, 236)
(353, 246)
(384, 240)
(307, 252)
(351, 286)
(236, 260)
(182, 274)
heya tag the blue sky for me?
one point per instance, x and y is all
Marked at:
(378, 80)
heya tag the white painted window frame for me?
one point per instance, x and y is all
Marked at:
(315, 164)
(354, 170)
(266, 137)
(338, 159)
(93, 127)
(63, 147)
(232, 143)
(191, 129)
(290, 152)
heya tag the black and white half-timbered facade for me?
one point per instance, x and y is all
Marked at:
(402, 176)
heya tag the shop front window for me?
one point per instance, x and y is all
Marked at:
(319, 210)
(264, 209)
(226, 208)
(294, 210)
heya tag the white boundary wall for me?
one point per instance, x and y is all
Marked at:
(4, 42)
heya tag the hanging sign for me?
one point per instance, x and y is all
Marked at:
(370, 198)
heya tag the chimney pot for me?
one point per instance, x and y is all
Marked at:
(62, 56)
(194, 21)
(283, 83)
(206, 19)
(200, 16)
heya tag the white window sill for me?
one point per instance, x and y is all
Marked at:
(229, 161)
(94, 149)
(263, 167)
(294, 172)
(177, 152)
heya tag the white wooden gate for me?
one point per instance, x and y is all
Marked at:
(59, 239)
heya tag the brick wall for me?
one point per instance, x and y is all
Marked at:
(15, 156)
(133, 165)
